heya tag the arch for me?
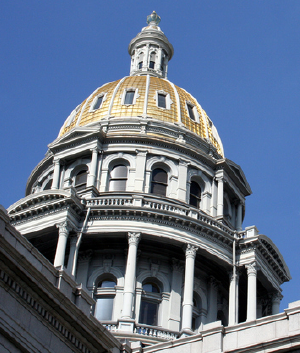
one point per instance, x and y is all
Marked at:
(201, 178)
(159, 276)
(164, 163)
(76, 166)
(101, 271)
(112, 159)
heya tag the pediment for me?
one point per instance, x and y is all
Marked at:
(76, 134)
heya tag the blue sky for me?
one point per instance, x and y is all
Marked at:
(240, 59)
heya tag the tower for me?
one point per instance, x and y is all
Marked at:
(136, 200)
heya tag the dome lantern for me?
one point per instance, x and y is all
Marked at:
(150, 50)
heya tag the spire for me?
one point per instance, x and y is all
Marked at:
(150, 50)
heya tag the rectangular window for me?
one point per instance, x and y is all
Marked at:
(191, 112)
(151, 64)
(98, 102)
(104, 308)
(161, 100)
(129, 97)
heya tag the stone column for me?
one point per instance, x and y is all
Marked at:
(56, 173)
(276, 298)
(129, 284)
(93, 171)
(158, 63)
(146, 56)
(187, 305)
(182, 178)
(251, 293)
(239, 216)
(233, 298)
(73, 241)
(63, 233)
(220, 203)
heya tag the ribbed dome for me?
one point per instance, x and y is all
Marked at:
(109, 101)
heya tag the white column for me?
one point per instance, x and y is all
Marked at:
(63, 233)
(220, 203)
(140, 170)
(129, 285)
(93, 170)
(233, 298)
(73, 241)
(206, 199)
(276, 298)
(182, 179)
(158, 63)
(146, 56)
(251, 293)
(55, 182)
(213, 209)
(239, 216)
(187, 305)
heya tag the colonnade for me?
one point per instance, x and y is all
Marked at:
(187, 303)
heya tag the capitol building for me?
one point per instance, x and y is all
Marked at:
(130, 237)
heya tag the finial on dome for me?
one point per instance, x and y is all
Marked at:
(153, 19)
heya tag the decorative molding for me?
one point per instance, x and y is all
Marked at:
(191, 251)
(134, 238)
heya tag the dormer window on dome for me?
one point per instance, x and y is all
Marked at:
(150, 50)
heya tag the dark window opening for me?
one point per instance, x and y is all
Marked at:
(98, 102)
(81, 180)
(191, 112)
(195, 194)
(151, 64)
(161, 100)
(159, 182)
(129, 97)
(140, 64)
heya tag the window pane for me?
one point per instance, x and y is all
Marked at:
(98, 102)
(104, 308)
(191, 112)
(119, 171)
(140, 65)
(148, 313)
(129, 97)
(195, 189)
(117, 185)
(151, 64)
(158, 189)
(81, 178)
(151, 287)
(160, 175)
(161, 100)
(107, 284)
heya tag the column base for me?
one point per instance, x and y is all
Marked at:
(126, 325)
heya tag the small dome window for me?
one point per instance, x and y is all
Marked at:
(129, 97)
(191, 111)
(161, 100)
(97, 102)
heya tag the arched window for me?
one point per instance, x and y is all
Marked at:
(104, 295)
(151, 299)
(159, 182)
(80, 180)
(195, 194)
(152, 60)
(140, 60)
(118, 178)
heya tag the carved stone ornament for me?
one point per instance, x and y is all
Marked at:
(191, 250)
(134, 238)
(64, 227)
(251, 269)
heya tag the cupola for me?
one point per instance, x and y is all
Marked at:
(150, 50)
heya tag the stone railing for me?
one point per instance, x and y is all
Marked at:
(157, 204)
(154, 331)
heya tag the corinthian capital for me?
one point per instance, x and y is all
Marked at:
(134, 238)
(251, 269)
(190, 251)
(64, 227)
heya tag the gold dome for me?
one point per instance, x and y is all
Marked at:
(145, 104)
